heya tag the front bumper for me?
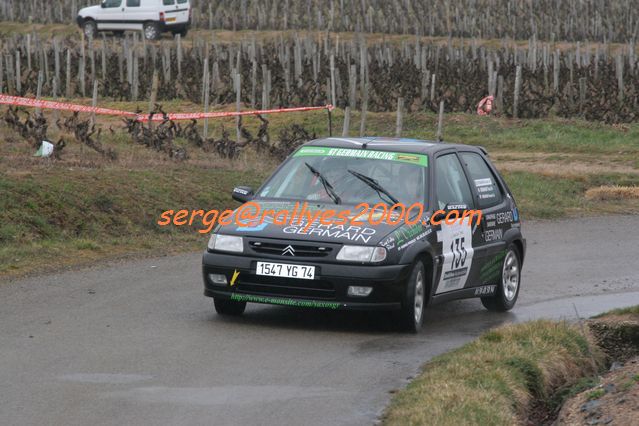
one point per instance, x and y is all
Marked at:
(328, 289)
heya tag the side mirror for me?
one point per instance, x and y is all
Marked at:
(103, 4)
(243, 194)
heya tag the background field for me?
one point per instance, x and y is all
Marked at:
(546, 19)
(368, 72)
(85, 207)
(564, 125)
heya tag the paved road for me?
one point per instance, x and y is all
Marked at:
(137, 343)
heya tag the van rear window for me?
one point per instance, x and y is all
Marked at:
(168, 2)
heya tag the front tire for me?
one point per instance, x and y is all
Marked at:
(90, 29)
(151, 31)
(412, 313)
(507, 292)
(229, 307)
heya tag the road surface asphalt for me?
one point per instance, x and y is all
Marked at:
(137, 343)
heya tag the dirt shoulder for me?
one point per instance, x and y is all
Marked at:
(614, 397)
(536, 373)
(615, 401)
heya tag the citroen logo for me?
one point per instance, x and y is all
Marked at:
(288, 250)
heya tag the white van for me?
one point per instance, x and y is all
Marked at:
(151, 16)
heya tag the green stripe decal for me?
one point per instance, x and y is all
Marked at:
(285, 302)
(312, 151)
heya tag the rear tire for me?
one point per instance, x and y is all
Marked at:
(229, 307)
(412, 314)
(151, 31)
(507, 291)
(90, 29)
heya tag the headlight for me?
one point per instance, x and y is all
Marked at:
(361, 254)
(229, 243)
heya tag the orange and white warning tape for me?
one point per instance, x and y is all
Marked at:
(201, 115)
(38, 103)
(62, 106)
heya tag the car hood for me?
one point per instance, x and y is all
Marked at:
(296, 228)
(89, 10)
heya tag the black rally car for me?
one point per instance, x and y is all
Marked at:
(397, 267)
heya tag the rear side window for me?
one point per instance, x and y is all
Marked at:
(483, 179)
(168, 2)
(132, 3)
(182, 1)
(451, 183)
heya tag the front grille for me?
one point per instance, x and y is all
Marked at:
(298, 250)
(286, 287)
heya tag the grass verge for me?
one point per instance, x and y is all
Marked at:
(54, 217)
(495, 379)
(632, 310)
(518, 374)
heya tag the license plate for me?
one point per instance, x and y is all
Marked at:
(285, 270)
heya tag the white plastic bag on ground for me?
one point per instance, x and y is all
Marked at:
(46, 149)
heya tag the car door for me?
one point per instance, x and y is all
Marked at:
(111, 15)
(452, 187)
(137, 12)
(497, 217)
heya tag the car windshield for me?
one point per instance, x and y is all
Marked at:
(350, 176)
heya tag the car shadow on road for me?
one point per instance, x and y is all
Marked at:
(464, 316)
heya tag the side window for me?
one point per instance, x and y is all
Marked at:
(182, 1)
(168, 2)
(112, 3)
(451, 183)
(132, 3)
(484, 180)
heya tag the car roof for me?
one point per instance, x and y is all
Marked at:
(414, 146)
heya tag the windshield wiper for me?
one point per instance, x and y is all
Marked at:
(327, 186)
(375, 185)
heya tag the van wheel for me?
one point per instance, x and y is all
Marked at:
(90, 29)
(412, 313)
(508, 290)
(229, 307)
(151, 31)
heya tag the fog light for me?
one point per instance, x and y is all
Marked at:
(218, 279)
(359, 291)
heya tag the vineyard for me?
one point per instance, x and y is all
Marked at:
(594, 82)
(571, 20)
(337, 63)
